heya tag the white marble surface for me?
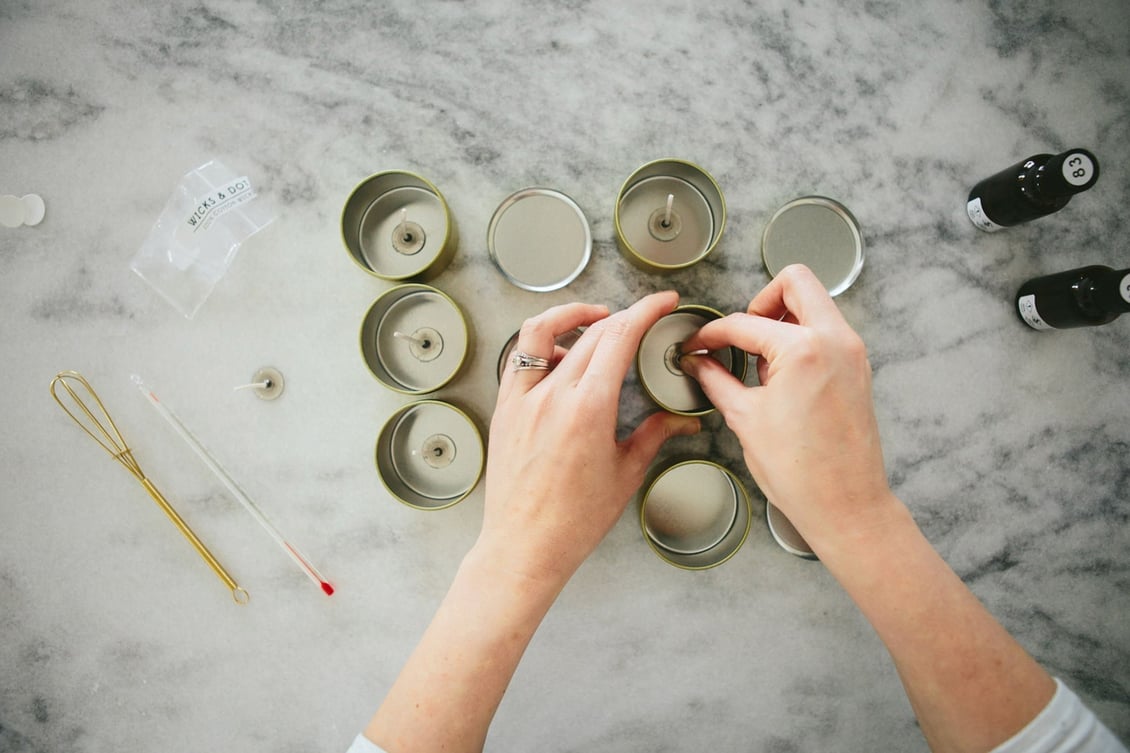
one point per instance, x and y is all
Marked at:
(1011, 447)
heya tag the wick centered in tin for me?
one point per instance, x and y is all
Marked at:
(425, 344)
(664, 224)
(408, 237)
(671, 358)
(438, 451)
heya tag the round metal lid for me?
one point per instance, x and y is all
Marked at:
(539, 239)
(786, 534)
(821, 234)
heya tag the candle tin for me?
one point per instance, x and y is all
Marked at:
(429, 455)
(414, 339)
(539, 239)
(695, 514)
(565, 341)
(658, 238)
(821, 234)
(657, 361)
(785, 534)
(397, 225)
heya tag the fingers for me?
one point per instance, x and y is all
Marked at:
(618, 337)
(722, 388)
(645, 442)
(796, 291)
(538, 338)
(753, 334)
(606, 349)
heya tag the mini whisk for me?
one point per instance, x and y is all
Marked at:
(104, 431)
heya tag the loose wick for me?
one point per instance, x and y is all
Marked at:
(264, 385)
(418, 340)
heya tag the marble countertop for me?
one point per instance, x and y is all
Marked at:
(1010, 446)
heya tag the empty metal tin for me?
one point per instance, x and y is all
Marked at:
(565, 341)
(657, 361)
(821, 234)
(397, 226)
(414, 339)
(669, 215)
(429, 455)
(695, 514)
(785, 534)
(539, 239)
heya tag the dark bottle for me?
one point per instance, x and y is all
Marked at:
(1084, 297)
(1032, 188)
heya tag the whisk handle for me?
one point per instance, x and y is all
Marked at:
(238, 593)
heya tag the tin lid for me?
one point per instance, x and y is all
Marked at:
(539, 239)
(821, 234)
(657, 361)
(429, 455)
(695, 514)
(785, 534)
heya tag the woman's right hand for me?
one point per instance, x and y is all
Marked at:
(808, 431)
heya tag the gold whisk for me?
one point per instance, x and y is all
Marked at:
(106, 434)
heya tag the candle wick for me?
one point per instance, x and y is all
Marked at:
(422, 342)
(667, 212)
(405, 233)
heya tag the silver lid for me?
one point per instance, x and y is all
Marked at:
(429, 455)
(821, 234)
(786, 534)
(539, 239)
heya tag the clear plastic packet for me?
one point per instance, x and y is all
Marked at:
(210, 214)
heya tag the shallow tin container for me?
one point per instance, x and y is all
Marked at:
(565, 341)
(397, 225)
(821, 234)
(539, 239)
(657, 361)
(785, 534)
(430, 455)
(695, 514)
(415, 339)
(658, 240)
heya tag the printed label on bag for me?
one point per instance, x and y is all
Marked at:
(218, 203)
(1029, 314)
(979, 218)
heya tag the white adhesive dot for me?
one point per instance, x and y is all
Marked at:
(11, 211)
(34, 209)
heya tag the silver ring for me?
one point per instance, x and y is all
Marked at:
(524, 361)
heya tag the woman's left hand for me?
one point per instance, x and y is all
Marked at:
(557, 479)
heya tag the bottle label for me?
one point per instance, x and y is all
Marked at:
(1124, 288)
(979, 218)
(1078, 169)
(1028, 312)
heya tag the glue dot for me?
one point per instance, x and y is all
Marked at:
(34, 209)
(11, 211)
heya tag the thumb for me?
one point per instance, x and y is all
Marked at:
(721, 387)
(644, 443)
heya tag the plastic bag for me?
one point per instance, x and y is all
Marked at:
(210, 214)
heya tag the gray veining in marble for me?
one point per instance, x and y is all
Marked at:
(1011, 447)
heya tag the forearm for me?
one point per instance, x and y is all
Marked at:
(971, 685)
(450, 688)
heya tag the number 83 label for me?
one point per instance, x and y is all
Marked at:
(1078, 169)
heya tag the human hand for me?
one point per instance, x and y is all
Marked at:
(808, 432)
(557, 479)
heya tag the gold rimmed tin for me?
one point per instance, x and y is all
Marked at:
(695, 514)
(397, 225)
(657, 361)
(669, 215)
(415, 339)
(821, 234)
(430, 455)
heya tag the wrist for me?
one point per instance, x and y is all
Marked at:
(500, 567)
